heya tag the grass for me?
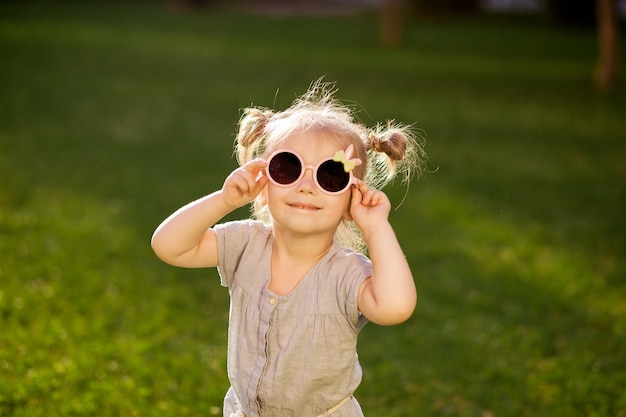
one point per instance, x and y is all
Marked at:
(113, 115)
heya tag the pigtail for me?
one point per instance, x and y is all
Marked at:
(393, 150)
(250, 140)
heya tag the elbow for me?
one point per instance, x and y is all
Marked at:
(404, 309)
(400, 316)
(405, 314)
(397, 314)
(155, 243)
(160, 249)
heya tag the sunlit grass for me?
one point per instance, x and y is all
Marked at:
(114, 115)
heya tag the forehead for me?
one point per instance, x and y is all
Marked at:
(313, 145)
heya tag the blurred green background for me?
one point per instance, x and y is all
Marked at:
(114, 114)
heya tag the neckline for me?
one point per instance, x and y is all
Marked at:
(304, 278)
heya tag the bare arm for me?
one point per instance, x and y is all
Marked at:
(186, 237)
(389, 296)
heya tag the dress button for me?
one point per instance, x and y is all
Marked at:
(273, 301)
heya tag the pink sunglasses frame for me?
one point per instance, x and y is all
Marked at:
(314, 168)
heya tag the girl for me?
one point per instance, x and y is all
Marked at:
(300, 290)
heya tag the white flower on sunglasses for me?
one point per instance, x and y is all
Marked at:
(344, 158)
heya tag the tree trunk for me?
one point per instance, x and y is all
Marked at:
(607, 68)
(391, 23)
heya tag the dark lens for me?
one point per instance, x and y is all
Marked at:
(332, 177)
(285, 168)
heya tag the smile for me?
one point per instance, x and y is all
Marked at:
(302, 206)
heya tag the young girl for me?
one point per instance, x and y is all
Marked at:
(299, 295)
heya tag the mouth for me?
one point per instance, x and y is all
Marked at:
(304, 206)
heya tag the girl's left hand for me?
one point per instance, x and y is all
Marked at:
(368, 205)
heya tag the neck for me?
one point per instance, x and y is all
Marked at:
(303, 248)
(292, 258)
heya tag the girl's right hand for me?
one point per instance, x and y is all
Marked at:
(245, 183)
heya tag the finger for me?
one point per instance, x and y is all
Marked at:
(237, 181)
(376, 198)
(357, 196)
(243, 179)
(368, 197)
(254, 169)
(254, 185)
(255, 166)
(261, 182)
(361, 185)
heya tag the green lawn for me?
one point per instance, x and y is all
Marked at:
(112, 116)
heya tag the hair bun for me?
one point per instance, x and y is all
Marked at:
(391, 141)
(251, 131)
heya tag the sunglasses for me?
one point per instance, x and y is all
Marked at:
(331, 175)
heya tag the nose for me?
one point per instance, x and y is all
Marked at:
(307, 182)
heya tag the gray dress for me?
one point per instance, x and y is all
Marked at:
(292, 355)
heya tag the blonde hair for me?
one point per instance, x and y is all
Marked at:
(387, 150)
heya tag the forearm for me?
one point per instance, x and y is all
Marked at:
(182, 231)
(392, 285)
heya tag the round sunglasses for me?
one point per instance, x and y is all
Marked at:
(331, 175)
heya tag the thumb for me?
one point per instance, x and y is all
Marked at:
(355, 201)
(261, 182)
(356, 197)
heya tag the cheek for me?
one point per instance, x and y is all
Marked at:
(345, 205)
(272, 193)
(348, 199)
